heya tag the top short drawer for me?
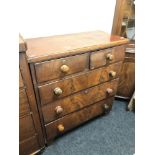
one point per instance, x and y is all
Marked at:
(59, 68)
(107, 56)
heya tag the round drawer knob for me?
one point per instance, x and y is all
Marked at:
(112, 74)
(106, 107)
(57, 91)
(109, 56)
(64, 68)
(109, 91)
(61, 128)
(58, 109)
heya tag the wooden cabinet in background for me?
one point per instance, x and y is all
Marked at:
(124, 25)
(30, 131)
(126, 84)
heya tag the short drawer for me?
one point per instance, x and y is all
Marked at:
(29, 146)
(79, 100)
(107, 56)
(70, 121)
(56, 90)
(26, 127)
(59, 68)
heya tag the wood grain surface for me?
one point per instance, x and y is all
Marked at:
(74, 119)
(50, 70)
(79, 100)
(77, 83)
(45, 48)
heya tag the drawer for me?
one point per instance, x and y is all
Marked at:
(72, 120)
(56, 90)
(21, 84)
(107, 56)
(29, 146)
(26, 127)
(78, 101)
(23, 103)
(59, 68)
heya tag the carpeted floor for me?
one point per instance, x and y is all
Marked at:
(110, 135)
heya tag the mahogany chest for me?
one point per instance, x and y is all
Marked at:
(75, 77)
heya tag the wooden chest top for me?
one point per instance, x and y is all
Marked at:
(45, 48)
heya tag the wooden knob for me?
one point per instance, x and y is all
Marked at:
(109, 56)
(58, 110)
(106, 106)
(57, 91)
(61, 128)
(112, 73)
(109, 91)
(64, 68)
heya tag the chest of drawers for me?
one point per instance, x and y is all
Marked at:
(75, 77)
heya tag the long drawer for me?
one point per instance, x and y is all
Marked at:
(74, 119)
(59, 68)
(107, 56)
(56, 90)
(78, 101)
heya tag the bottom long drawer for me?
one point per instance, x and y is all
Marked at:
(72, 120)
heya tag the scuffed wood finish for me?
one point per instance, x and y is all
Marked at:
(77, 83)
(99, 58)
(24, 107)
(29, 145)
(79, 100)
(72, 120)
(50, 70)
(45, 48)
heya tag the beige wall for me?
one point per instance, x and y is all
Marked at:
(54, 17)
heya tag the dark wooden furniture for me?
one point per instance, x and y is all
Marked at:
(126, 86)
(124, 25)
(30, 131)
(75, 77)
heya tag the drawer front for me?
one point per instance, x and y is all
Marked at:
(26, 127)
(77, 83)
(23, 103)
(78, 101)
(107, 56)
(59, 68)
(29, 146)
(21, 84)
(72, 120)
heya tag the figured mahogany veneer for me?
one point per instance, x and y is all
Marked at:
(50, 70)
(79, 100)
(75, 77)
(75, 119)
(78, 82)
